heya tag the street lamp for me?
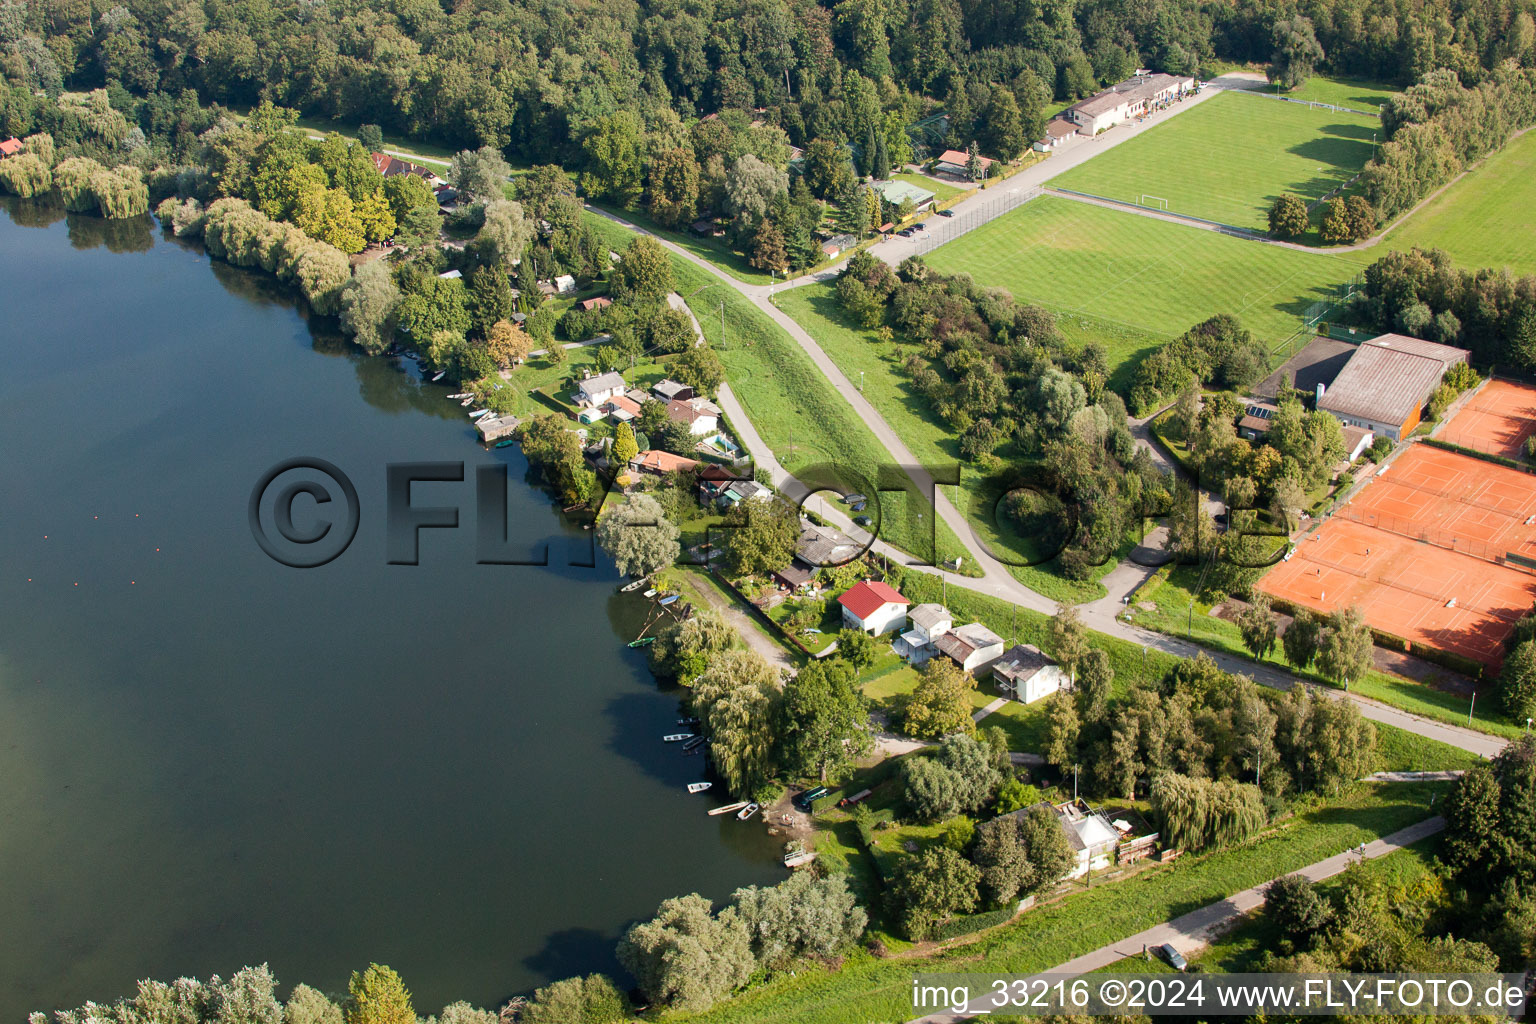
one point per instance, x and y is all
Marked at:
(861, 382)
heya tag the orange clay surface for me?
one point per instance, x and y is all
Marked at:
(1496, 420)
(1420, 550)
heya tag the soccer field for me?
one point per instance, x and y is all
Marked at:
(1228, 158)
(1486, 219)
(1142, 273)
(1343, 92)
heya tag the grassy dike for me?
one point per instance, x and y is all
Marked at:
(794, 407)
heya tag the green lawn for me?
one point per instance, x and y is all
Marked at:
(1172, 595)
(1149, 277)
(794, 407)
(876, 366)
(1344, 92)
(1484, 220)
(1228, 158)
(942, 193)
(871, 989)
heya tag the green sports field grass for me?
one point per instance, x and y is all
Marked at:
(1146, 276)
(1343, 92)
(1229, 158)
(1486, 219)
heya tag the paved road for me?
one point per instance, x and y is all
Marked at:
(1191, 932)
(996, 580)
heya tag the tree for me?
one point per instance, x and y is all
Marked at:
(479, 175)
(505, 233)
(941, 702)
(644, 276)
(370, 137)
(734, 698)
(1004, 124)
(368, 304)
(638, 535)
(624, 448)
(858, 649)
(685, 649)
(750, 186)
(1095, 678)
(308, 1006)
(802, 916)
(614, 167)
(700, 368)
(672, 330)
(1197, 814)
(1069, 637)
(687, 957)
(1257, 624)
(674, 188)
(928, 889)
(823, 720)
(1297, 51)
(1346, 648)
(1288, 217)
(417, 222)
(931, 791)
(1293, 904)
(490, 298)
(1002, 860)
(827, 172)
(590, 1000)
(1337, 227)
(768, 248)
(1300, 639)
(378, 996)
(761, 536)
(974, 168)
(1062, 730)
(1517, 682)
(1287, 499)
(509, 345)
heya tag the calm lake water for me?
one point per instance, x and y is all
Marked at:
(208, 759)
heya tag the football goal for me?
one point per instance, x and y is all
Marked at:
(1156, 202)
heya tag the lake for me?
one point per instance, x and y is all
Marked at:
(209, 759)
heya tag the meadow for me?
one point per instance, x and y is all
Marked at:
(1227, 159)
(1484, 220)
(1141, 275)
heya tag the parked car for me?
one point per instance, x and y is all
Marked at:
(863, 520)
(906, 232)
(809, 797)
(1174, 957)
(857, 506)
(849, 499)
(946, 213)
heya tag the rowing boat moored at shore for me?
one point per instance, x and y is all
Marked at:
(746, 812)
(478, 413)
(677, 737)
(694, 743)
(669, 599)
(699, 787)
(651, 592)
(728, 808)
(503, 444)
(439, 376)
(644, 641)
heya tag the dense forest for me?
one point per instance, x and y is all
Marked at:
(542, 79)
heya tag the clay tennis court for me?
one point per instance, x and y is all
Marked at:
(1496, 420)
(1421, 550)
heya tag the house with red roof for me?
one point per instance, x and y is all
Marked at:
(874, 606)
(10, 147)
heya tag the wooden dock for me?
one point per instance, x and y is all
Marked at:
(494, 428)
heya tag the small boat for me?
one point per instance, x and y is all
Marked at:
(677, 737)
(636, 585)
(439, 376)
(644, 641)
(746, 812)
(478, 413)
(694, 743)
(508, 441)
(469, 401)
(669, 599)
(651, 592)
(699, 787)
(461, 394)
(687, 721)
(728, 808)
